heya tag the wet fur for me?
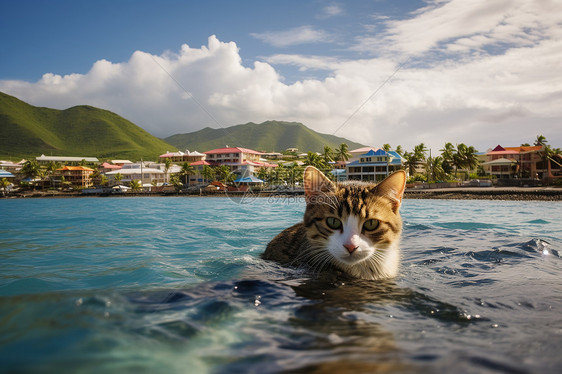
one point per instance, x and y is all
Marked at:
(307, 243)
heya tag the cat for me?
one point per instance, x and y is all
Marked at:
(353, 226)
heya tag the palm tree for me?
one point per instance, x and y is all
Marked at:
(410, 163)
(118, 178)
(224, 174)
(399, 150)
(51, 168)
(541, 140)
(342, 153)
(4, 184)
(448, 154)
(434, 169)
(135, 185)
(186, 171)
(294, 172)
(30, 169)
(386, 147)
(103, 180)
(263, 174)
(328, 154)
(208, 173)
(313, 159)
(167, 166)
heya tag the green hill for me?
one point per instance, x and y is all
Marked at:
(29, 131)
(269, 136)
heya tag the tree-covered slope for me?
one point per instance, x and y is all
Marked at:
(29, 131)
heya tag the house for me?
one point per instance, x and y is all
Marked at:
(106, 167)
(181, 157)
(66, 160)
(516, 162)
(79, 176)
(138, 171)
(373, 165)
(242, 161)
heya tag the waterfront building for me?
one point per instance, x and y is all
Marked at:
(66, 160)
(181, 157)
(373, 165)
(138, 171)
(243, 162)
(516, 162)
(78, 176)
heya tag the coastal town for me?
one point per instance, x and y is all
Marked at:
(237, 169)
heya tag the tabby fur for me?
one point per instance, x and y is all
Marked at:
(354, 227)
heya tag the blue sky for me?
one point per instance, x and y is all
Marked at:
(477, 72)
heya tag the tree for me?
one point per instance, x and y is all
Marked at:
(30, 169)
(167, 166)
(208, 173)
(103, 180)
(135, 185)
(541, 140)
(294, 173)
(399, 150)
(434, 169)
(448, 154)
(313, 159)
(328, 154)
(118, 178)
(4, 184)
(410, 163)
(263, 174)
(224, 174)
(386, 147)
(342, 153)
(186, 171)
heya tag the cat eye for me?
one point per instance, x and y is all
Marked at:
(371, 224)
(333, 223)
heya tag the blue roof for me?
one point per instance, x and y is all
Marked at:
(250, 179)
(6, 174)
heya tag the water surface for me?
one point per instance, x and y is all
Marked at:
(175, 285)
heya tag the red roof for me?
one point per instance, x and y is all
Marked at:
(106, 165)
(201, 162)
(499, 150)
(233, 150)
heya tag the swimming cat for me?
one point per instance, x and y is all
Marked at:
(351, 226)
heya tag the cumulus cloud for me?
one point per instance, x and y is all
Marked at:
(295, 36)
(475, 96)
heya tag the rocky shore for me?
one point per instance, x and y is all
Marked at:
(472, 193)
(491, 193)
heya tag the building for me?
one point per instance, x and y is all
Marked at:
(373, 166)
(66, 160)
(516, 162)
(148, 176)
(78, 176)
(242, 161)
(181, 157)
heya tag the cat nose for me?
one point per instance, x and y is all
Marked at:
(350, 247)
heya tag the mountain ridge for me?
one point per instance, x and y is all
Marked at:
(82, 130)
(270, 136)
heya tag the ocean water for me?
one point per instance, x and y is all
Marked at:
(176, 285)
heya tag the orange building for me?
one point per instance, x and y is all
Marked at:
(79, 176)
(516, 162)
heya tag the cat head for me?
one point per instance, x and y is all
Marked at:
(354, 226)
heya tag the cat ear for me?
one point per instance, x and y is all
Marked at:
(393, 187)
(316, 184)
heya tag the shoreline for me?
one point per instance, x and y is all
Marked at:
(470, 193)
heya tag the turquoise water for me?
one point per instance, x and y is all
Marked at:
(175, 285)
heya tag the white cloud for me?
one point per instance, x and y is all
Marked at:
(330, 11)
(295, 36)
(477, 97)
